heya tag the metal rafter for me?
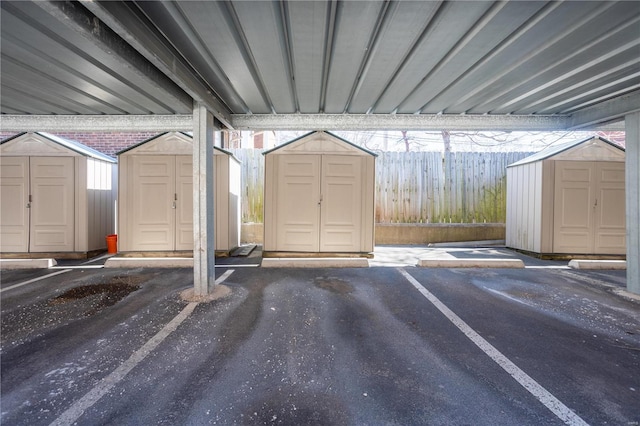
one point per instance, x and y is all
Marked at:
(330, 33)
(611, 110)
(426, 31)
(489, 82)
(510, 40)
(77, 18)
(461, 44)
(383, 18)
(285, 27)
(247, 54)
(151, 45)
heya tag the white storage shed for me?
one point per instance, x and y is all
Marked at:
(57, 196)
(155, 208)
(568, 199)
(319, 196)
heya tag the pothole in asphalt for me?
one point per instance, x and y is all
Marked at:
(334, 285)
(108, 293)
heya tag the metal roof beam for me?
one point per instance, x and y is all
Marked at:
(77, 18)
(612, 110)
(149, 43)
(96, 123)
(398, 122)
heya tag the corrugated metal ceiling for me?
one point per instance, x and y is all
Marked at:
(319, 57)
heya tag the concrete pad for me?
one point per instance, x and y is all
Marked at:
(27, 263)
(149, 262)
(452, 262)
(597, 264)
(219, 292)
(323, 262)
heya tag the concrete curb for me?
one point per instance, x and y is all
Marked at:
(325, 262)
(149, 262)
(471, 263)
(27, 263)
(597, 264)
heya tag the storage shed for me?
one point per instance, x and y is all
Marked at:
(57, 196)
(568, 199)
(319, 196)
(155, 208)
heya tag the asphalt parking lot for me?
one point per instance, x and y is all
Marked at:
(379, 345)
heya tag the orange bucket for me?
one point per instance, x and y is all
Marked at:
(112, 243)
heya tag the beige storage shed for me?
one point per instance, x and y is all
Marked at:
(568, 199)
(319, 196)
(155, 203)
(57, 196)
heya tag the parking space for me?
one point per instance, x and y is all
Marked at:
(319, 346)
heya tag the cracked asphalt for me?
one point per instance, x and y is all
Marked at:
(319, 347)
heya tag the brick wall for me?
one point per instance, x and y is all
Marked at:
(107, 143)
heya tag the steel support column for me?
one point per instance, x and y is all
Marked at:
(632, 185)
(203, 214)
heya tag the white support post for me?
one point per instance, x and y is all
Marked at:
(203, 214)
(632, 185)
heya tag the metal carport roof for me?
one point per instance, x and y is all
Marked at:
(321, 64)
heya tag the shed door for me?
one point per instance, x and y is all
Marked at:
(589, 209)
(298, 203)
(153, 221)
(610, 224)
(52, 205)
(341, 211)
(184, 202)
(14, 193)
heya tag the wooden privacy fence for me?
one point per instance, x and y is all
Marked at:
(414, 187)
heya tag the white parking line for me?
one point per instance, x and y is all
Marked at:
(34, 280)
(76, 410)
(563, 412)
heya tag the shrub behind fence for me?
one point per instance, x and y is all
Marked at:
(414, 187)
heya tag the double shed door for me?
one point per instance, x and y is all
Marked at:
(37, 204)
(589, 207)
(162, 210)
(319, 203)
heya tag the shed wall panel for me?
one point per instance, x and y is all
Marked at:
(610, 224)
(341, 201)
(52, 209)
(60, 180)
(547, 206)
(569, 201)
(183, 202)
(297, 203)
(174, 200)
(152, 221)
(319, 196)
(14, 198)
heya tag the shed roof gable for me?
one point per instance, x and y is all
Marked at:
(594, 149)
(45, 144)
(170, 143)
(319, 142)
(591, 149)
